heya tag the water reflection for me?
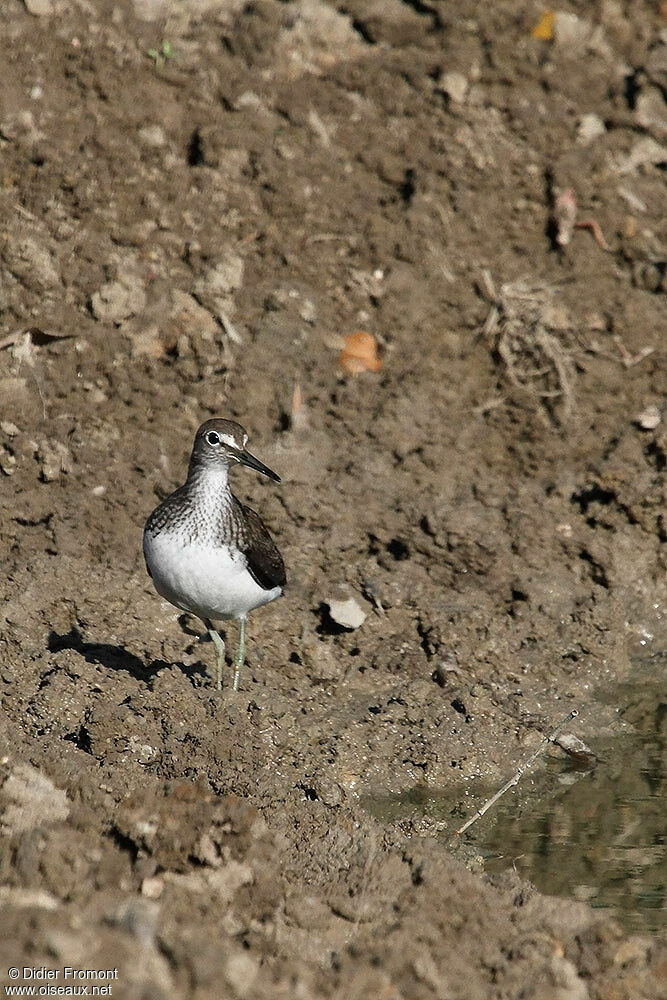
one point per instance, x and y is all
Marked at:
(597, 836)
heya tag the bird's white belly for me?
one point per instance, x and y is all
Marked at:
(209, 582)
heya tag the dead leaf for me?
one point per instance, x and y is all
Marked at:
(360, 354)
(544, 29)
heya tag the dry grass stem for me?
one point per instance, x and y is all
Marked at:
(514, 780)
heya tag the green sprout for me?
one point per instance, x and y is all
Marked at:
(160, 56)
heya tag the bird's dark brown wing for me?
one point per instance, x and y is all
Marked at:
(265, 563)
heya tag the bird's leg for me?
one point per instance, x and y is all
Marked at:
(240, 655)
(219, 652)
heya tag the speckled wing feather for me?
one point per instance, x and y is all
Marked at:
(265, 563)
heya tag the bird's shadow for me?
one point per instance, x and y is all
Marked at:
(117, 658)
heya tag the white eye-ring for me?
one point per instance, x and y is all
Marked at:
(213, 438)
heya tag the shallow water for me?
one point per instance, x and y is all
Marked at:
(596, 835)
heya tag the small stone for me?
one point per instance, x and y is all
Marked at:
(455, 86)
(346, 612)
(570, 31)
(590, 128)
(40, 8)
(649, 418)
(576, 748)
(7, 462)
(650, 110)
(19, 898)
(308, 312)
(152, 888)
(152, 135)
(321, 661)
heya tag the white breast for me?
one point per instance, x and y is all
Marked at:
(209, 582)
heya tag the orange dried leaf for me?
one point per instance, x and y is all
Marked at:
(544, 29)
(360, 354)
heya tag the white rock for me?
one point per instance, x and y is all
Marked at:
(152, 887)
(590, 128)
(346, 612)
(570, 31)
(152, 135)
(649, 418)
(650, 110)
(40, 8)
(455, 86)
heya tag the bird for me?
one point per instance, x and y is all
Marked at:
(205, 551)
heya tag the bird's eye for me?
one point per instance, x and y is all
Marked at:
(213, 437)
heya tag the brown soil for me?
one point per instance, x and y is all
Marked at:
(190, 232)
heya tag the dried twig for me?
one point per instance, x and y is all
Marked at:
(514, 780)
(628, 359)
(596, 230)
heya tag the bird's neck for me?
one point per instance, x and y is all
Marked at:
(210, 485)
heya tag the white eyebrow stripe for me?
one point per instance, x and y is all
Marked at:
(228, 440)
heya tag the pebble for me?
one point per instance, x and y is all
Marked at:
(590, 128)
(455, 86)
(570, 31)
(152, 135)
(346, 612)
(650, 110)
(40, 8)
(649, 418)
(152, 887)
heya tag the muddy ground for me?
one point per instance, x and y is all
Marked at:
(198, 200)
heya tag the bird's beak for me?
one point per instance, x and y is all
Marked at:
(245, 458)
